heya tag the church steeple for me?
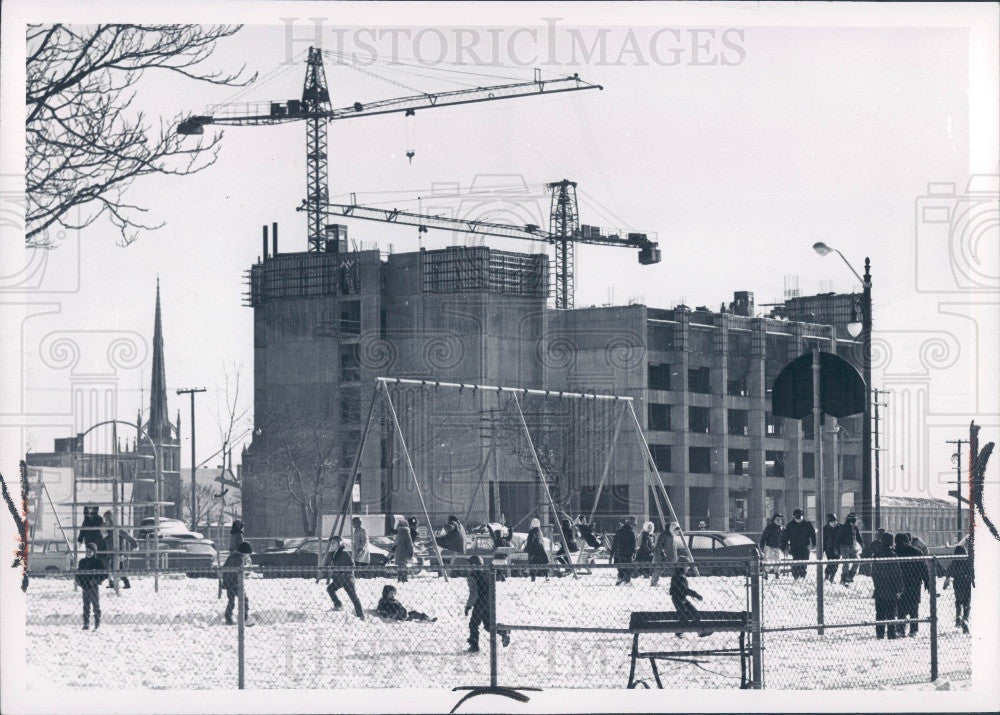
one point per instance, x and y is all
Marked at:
(159, 422)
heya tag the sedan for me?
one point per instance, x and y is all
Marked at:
(298, 558)
(718, 553)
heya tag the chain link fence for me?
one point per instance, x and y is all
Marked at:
(570, 626)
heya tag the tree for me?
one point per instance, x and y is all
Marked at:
(207, 504)
(85, 143)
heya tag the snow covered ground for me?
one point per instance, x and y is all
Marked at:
(176, 638)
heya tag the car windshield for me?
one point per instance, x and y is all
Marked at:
(736, 540)
(194, 547)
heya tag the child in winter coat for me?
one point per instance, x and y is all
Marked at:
(389, 607)
(231, 580)
(478, 604)
(90, 574)
(960, 573)
(679, 591)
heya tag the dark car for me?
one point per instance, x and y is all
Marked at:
(298, 558)
(719, 553)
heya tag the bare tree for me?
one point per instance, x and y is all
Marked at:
(85, 143)
(232, 410)
(207, 504)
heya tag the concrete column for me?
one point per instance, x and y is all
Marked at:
(757, 389)
(719, 423)
(794, 483)
(679, 461)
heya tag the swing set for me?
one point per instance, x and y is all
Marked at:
(557, 443)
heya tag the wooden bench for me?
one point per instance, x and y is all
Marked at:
(670, 622)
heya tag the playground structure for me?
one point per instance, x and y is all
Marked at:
(427, 418)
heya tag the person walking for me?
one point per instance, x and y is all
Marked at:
(913, 576)
(124, 542)
(623, 550)
(887, 582)
(478, 604)
(644, 554)
(848, 540)
(960, 574)
(239, 559)
(665, 551)
(770, 544)
(359, 546)
(535, 548)
(830, 529)
(89, 575)
(341, 576)
(402, 549)
(798, 539)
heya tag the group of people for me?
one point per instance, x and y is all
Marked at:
(648, 548)
(795, 540)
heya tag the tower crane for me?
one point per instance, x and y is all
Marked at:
(563, 232)
(315, 109)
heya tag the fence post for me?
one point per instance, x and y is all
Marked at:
(934, 619)
(493, 623)
(756, 624)
(241, 629)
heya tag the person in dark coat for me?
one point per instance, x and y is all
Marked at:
(535, 548)
(887, 580)
(848, 540)
(402, 550)
(235, 535)
(799, 537)
(90, 530)
(913, 576)
(479, 604)
(586, 530)
(343, 578)
(454, 536)
(830, 529)
(124, 542)
(679, 592)
(390, 607)
(231, 580)
(570, 537)
(665, 550)
(960, 574)
(623, 550)
(644, 554)
(770, 543)
(89, 575)
(412, 521)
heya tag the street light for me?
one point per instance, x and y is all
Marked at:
(865, 331)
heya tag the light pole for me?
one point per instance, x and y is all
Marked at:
(865, 331)
(194, 467)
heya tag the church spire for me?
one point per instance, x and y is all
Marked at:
(159, 422)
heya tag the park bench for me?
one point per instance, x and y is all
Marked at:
(646, 622)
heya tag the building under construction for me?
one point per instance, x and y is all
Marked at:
(328, 323)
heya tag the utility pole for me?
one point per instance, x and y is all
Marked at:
(878, 479)
(194, 495)
(958, 480)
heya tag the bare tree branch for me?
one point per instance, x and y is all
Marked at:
(85, 145)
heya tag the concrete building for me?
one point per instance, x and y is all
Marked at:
(326, 324)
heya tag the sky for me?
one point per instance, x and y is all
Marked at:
(796, 134)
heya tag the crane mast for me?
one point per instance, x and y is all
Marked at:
(316, 110)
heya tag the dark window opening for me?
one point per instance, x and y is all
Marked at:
(699, 380)
(659, 377)
(739, 422)
(699, 420)
(659, 417)
(739, 461)
(699, 460)
(661, 456)
(774, 464)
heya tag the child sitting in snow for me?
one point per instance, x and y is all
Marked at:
(389, 607)
(679, 591)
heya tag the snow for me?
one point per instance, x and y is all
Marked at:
(177, 639)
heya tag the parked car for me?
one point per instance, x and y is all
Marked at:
(716, 553)
(167, 527)
(196, 557)
(295, 557)
(49, 556)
